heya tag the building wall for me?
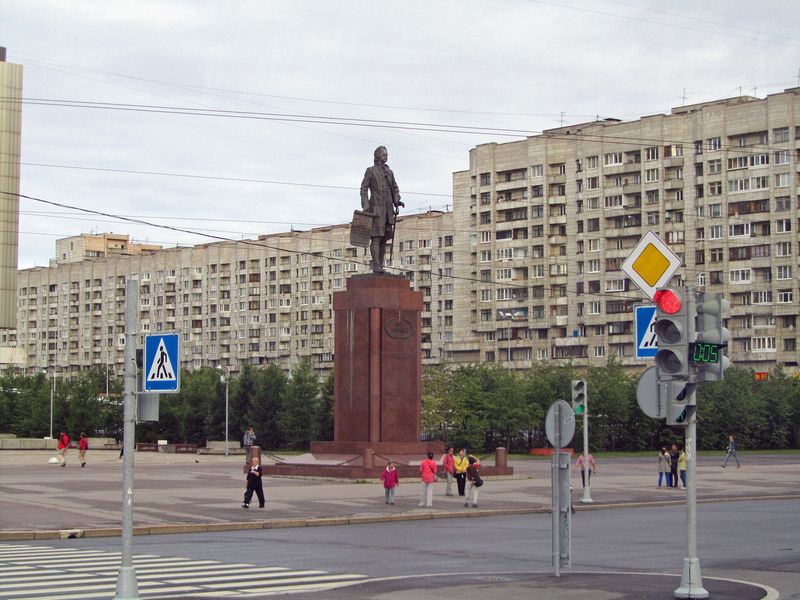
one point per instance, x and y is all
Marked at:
(524, 270)
(555, 215)
(10, 135)
(256, 301)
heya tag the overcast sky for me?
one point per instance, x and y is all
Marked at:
(524, 65)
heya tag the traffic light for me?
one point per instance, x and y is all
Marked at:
(673, 329)
(711, 337)
(676, 395)
(579, 396)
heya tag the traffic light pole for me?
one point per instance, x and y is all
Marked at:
(127, 588)
(587, 492)
(691, 578)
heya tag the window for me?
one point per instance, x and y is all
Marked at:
(599, 351)
(780, 135)
(740, 276)
(759, 160)
(761, 297)
(738, 162)
(738, 185)
(714, 166)
(486, 236)
(592, 183)
(739, 230)
(486, 178)
(505, 294)
(652, 218)
(594, 265)
(714, 210)
(592, 162)
(785, 297)
(612, 158)
(714, 143)
(503, 274)
(651, 153)
(612, 201)
(593, 245)
(715, 232)
(763, 344)
(783, 226)
(783, 272)
(784, 249)
(783, 157)
(537, 171)
(651, 175)
(715, 188)
(783, 180)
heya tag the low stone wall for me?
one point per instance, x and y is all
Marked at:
(47, 444)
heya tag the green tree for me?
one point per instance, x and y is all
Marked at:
(268, 393)
(325, 427)
(298, 418)
(240, 394)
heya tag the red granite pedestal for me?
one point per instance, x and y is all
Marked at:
(377, 386)
(377, 382)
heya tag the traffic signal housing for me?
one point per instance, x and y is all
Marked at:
(711, 337)
(579, 396)
(673, 329)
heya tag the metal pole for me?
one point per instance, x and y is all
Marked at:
(556, 508)
(587, 492)
(52, 393)
(127, 588)
(691, 578)
(227, 380)
(509, 347)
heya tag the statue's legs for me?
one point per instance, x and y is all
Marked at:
(376, 249)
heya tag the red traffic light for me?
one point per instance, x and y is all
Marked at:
(667, 301)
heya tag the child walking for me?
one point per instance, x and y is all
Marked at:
(390, 481)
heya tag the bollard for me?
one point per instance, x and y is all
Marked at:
(367, 458)
(500, 458)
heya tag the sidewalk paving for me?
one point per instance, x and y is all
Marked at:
(187, 492)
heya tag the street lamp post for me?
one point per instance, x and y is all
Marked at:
(224, 378)
(52, 393)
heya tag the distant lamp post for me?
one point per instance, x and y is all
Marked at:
(224, 377)
(52, 393)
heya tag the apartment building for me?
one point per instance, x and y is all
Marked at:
(525, 269)
(10, 144)
(257, 301)
(551, 218)
(78, 248)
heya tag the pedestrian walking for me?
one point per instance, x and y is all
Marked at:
(475, 482)
(663, 467)
(390, 481)
(682, 466)
(427, 471)
(63, 447)
(461, 463)
(248, 440)
(254, 484)
(674, 455)
(592, 467)
(83, 446)
(449, 468)
(731, 451)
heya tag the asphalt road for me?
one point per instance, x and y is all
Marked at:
(509, 557)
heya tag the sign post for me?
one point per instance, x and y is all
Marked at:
(559, 425)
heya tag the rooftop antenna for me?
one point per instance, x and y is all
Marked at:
(562, 119)
(683, 102)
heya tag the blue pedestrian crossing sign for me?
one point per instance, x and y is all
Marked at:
(161, 366)
(644, 319)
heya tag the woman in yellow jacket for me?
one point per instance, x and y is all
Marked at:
(461, 463)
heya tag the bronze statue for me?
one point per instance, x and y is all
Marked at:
(380, 197)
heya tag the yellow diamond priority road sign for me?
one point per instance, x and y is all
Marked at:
(651, 264)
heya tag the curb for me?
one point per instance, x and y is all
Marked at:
(171, 528)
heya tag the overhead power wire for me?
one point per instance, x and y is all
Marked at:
(568, 132)
(262, 244)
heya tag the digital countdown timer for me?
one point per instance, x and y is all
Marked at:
(702, 352)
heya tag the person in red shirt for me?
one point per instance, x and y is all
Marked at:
(63, 446)
(427, 471)
(449, 466)
(83, 446)
(390, 481)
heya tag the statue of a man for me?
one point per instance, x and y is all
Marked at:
(380, 197)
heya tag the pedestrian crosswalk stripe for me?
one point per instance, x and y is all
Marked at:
(39, 572)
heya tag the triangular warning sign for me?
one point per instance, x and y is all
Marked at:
(161, 367)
